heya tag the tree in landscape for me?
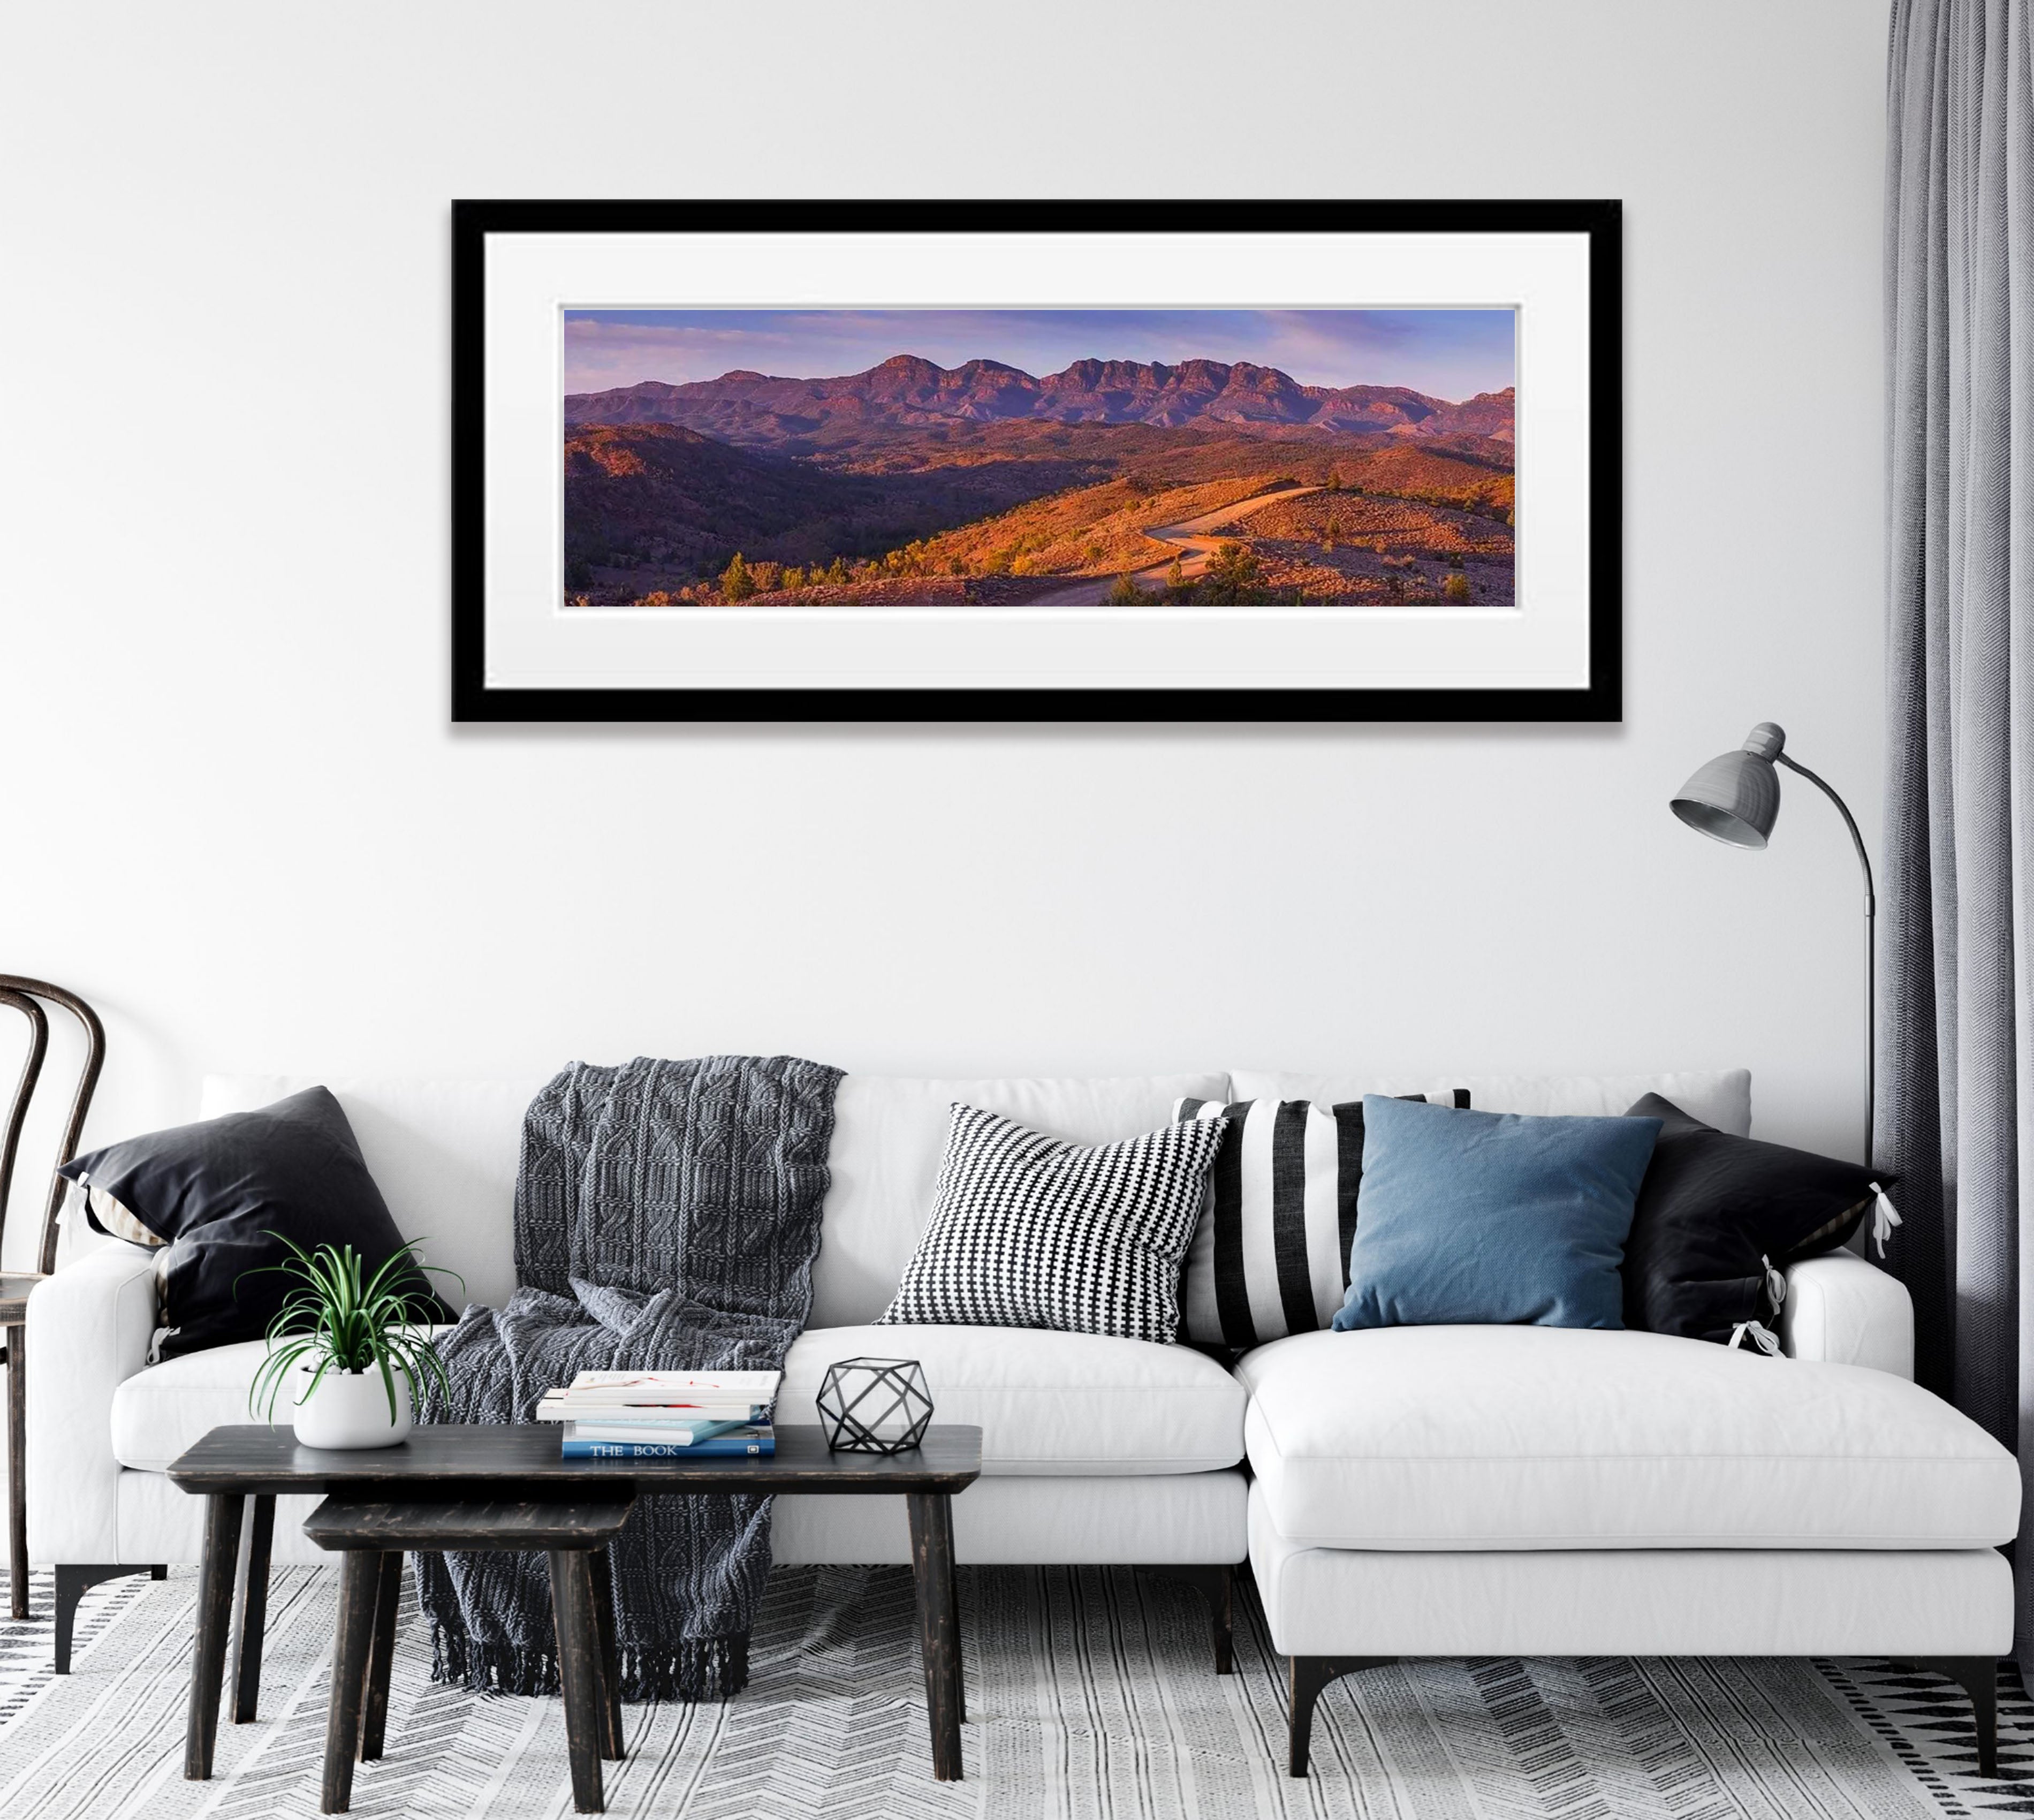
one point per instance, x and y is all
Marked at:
(1455, 588)
(769, 576)
(736, 582)
(1230, 576)
(1333, 531)
(837, 574)
(1124, 592)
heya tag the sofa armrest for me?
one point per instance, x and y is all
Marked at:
(1842, 1311)
(89, 1327)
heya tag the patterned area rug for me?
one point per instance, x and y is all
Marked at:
(1089, 1696)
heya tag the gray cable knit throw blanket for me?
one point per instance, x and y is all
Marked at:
(667, 1214)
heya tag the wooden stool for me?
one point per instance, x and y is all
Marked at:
(373, 1538)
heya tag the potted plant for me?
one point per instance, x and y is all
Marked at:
(351, 1351)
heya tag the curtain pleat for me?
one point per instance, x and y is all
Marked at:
(1956, 1113)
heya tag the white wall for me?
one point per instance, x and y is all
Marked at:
(234, 814)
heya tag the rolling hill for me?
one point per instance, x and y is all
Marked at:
(913, 473)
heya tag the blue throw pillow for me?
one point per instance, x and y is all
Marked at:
(1479, 1219)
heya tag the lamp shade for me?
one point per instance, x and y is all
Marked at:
(1735, 798)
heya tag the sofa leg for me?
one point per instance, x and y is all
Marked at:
(72, 1582)
(1978, 1676)
(1217, 1584)
(1308, 1674)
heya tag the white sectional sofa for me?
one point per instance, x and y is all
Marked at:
(1408, 1491)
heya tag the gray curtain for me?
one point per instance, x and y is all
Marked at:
(1955, 1111)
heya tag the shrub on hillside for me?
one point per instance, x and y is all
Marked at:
(1231, 577)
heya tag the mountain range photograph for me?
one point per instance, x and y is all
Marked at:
(1045, 458)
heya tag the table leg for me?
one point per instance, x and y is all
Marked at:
(387, 1597)
(938, 1624)
(953, 1599)
(254, 1613)
(214, 1619)
(359, 1575)
(610, 1654)
(579, 1669)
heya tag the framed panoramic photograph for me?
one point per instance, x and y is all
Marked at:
(1263, 461)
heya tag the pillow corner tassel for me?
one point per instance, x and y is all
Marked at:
(1885, 1217)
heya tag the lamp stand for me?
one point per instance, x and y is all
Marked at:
(1870, 949)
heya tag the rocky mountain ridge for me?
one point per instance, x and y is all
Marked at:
(907, 391)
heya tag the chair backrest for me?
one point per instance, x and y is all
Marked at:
(24, 995)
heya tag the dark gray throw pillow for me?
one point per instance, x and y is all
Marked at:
(220, 1192)
(1716, 1214)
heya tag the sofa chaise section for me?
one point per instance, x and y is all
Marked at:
(1547, 1491)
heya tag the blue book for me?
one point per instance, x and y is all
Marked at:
(722, 1445)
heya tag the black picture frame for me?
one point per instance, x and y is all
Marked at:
(473, 222)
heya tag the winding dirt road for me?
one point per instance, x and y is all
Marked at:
(1192, 538)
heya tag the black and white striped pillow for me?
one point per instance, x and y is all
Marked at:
(1270, 1254)
(1029, 1231)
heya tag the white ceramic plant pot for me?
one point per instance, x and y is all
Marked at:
(348, 1409)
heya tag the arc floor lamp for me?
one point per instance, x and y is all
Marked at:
(1735, 799)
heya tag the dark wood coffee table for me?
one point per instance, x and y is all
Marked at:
(455, 1462)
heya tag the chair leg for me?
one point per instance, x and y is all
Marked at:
(17, 1467)
(1307, 1675)
(1978, 1676)
(1217, 1584)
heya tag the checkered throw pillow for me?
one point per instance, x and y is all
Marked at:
(1029, 1232)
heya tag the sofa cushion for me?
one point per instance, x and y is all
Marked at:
(1028, 1231)
(1719, 1217)
(1270, 1254)
(444, 1152)
(1047, 1404)
(241, 1199)
(159, 1412)
(1574, 1438)
(1051, 1404)
(1468, 1217)
(1719, 1097)
(889, 1132)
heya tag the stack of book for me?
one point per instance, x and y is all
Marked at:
(664, 1415)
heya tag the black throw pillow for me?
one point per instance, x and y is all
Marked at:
(219, 1190)
(1715, 1212)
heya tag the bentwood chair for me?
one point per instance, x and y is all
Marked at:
(24, 995)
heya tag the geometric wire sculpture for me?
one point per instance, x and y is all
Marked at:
(875, 1405)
